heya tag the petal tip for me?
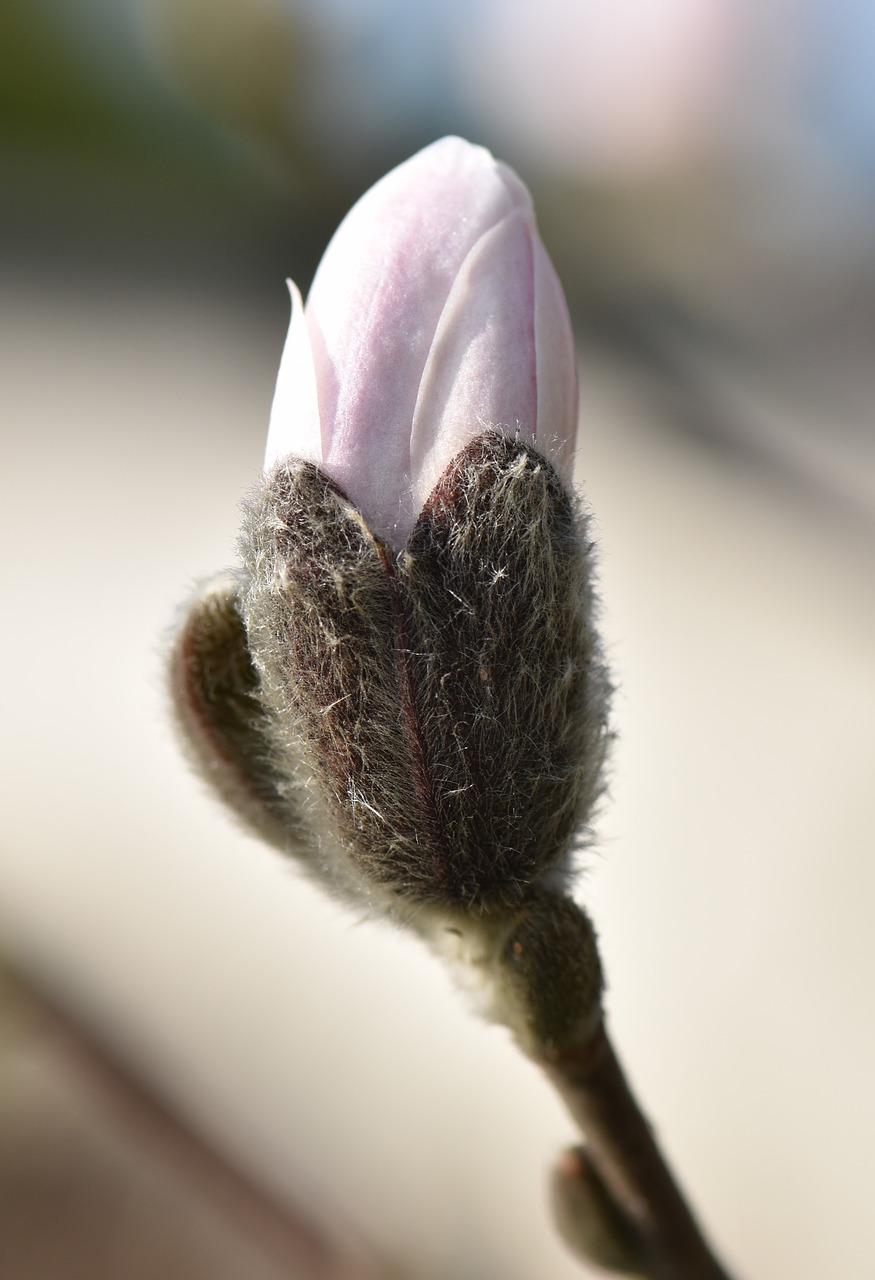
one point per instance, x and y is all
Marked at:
(294, 427)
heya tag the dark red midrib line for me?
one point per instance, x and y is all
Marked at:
(422, 775)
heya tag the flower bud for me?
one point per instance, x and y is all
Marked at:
(415, 601)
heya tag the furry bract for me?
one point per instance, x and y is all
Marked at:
(402, 685)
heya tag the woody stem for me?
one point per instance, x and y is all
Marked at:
(621, 1149)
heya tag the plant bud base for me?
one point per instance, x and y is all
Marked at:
(444, 710)
(424, 732)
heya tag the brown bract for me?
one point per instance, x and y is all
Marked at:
(446, 707)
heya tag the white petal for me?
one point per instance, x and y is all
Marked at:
(556, 434)
(294, 416)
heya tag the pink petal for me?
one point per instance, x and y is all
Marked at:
(375, 305)
(481, 370)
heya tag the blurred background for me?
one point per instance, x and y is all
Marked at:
(704, 175)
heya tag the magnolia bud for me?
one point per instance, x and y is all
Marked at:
(426, 699)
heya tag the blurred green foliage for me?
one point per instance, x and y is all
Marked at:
(107, 168)
(50, 98)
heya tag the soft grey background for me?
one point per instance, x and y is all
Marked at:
(162, 171)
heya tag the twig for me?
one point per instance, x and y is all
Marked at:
(638, 1220)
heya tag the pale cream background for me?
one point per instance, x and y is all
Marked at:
(733, 888)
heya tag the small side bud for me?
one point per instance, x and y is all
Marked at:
(222, 722)
(548, 978)
(592, 1226)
